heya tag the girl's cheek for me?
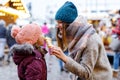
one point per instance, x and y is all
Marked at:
(41, 42)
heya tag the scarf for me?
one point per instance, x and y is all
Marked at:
(79, 34)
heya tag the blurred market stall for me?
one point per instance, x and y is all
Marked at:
(11, 10)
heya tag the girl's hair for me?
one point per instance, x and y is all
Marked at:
(62, 42)
(41, 50)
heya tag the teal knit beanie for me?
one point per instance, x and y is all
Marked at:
(67, 13)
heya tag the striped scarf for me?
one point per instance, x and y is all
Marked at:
(78, 33)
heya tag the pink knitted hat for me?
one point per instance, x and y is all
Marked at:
(27, 34)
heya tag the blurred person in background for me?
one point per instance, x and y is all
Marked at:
(115, 46)
(10, 40)
(102, 30)
(87, 58)
(53, 33)
(45, 29)
(2, 39)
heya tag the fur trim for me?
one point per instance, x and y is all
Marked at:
(22, 48)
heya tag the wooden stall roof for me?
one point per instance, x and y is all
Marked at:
(10, 10)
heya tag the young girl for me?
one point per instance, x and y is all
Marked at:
(29, 53)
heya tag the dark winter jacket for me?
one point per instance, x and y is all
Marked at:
(10, 40)
(30, 62)
(2, 30)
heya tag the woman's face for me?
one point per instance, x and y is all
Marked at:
(60, 25)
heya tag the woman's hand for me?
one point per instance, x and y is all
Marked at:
(57, 51)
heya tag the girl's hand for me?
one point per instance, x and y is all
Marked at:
(57, 51)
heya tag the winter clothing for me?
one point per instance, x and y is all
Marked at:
(10, 40)
(2, 39)
(116, 30)
(2, 47)
(31, 63)
(67, 13)
(45, 29)
(115, 47)
(30, 60)
(2, 29)
(88, 57)
(27, 34)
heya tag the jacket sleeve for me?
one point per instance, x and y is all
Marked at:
(34, 71)
(84, 68)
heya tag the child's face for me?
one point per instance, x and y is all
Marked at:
(60, 25)
(41, 40)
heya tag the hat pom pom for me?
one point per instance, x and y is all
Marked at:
(15, 30)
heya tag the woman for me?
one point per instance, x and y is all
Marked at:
(87, 58)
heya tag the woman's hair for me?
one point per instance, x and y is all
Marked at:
(62, 42)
